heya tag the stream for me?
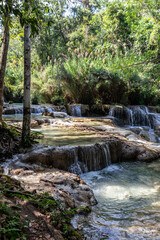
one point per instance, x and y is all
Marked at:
(128, 194)
(129, 202)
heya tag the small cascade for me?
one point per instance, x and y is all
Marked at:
(75, 167)
(94, 157)
(140, 117)
(42, 109)
(123, 114)
(108, 155)
(18, 110)
(111, 111)
(76, 110)
(36, 109)
(49, 109)
(87, 158)
(132, 116)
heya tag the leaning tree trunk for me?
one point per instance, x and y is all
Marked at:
(27, 83)
(3, 62)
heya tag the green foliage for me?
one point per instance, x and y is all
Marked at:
(29, 140)
(11, 225)
(12, 131)
(46, 204)
(88, 55)
(88, 81)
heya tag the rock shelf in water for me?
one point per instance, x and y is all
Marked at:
(79, 159)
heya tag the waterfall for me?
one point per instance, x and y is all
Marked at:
(38, 109)
(4, 101)
(18, 110)
(75, 167)
(90, 158)
(108, 155)
(111, 111)
(42, 109)
(76, 110)
(132, 116)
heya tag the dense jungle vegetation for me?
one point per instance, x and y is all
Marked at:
(90, 52)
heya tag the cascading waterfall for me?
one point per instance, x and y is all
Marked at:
(76, 110)
(140, 117)
(15, 109)
(90, 158)
(132, 116)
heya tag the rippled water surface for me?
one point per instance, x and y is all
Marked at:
(129, 202)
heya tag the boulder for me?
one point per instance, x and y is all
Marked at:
(34, 123)
(122, 150)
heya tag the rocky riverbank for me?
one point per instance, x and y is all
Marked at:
(43, 207)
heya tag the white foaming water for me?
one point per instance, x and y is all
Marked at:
(123, 192)
(129, 197)
(112, 168)
(76, 110)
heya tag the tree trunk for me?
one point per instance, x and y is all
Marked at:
(27, 82)
(3, 62)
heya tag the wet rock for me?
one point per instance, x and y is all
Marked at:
(154, 109)
(65, 187)
(136, 130)
(123, 150)
(94, 157)
(18, 171)
(152, 137)
(60, 114)
(43, 121)
(55, 114)
(60, 108)
(34, 123)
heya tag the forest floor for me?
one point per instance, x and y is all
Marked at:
(27, 215)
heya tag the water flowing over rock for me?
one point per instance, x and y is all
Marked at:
(75, 110)
(134, 116)
(76, 159)
(78, 110)
(80, 159)
(18, 109)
